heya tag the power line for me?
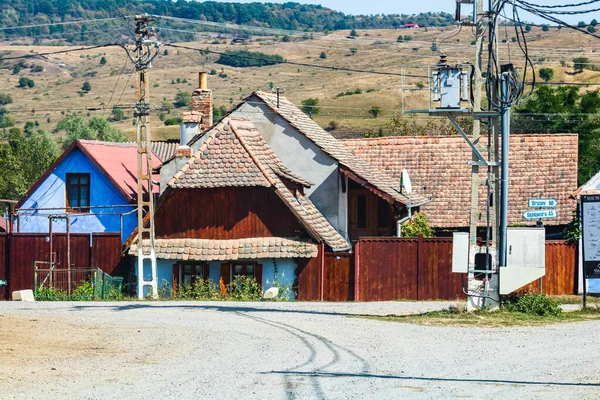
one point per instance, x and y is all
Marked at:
(332, 68)
(60, 23)
(33, 55)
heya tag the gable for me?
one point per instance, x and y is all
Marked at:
(50, 190)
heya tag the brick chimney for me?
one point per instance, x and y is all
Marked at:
(189, 129)
(202, 103)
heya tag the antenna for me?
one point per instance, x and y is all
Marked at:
(405, 183)
(278, 90)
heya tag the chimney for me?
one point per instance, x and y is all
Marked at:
(189, 129)
(202, 102)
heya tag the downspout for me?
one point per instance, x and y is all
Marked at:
(399, 222)
(322, 271)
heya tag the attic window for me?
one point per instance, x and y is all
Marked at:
(78, 192)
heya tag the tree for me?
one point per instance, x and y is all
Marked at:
(18, 170)
(353, 33)
(103, 61)
(420, 85)
(310, 106)
(547, 74)
(591, 29)
(86, 87)
(353, 50)
(26, 82)
(375, 111)
(95, 128)
(579, 63)
(417, 225)
(527, 28)
(323, 55)
(567, 110)
(166, 52)
(408, 38)
(594, 22)
(183, 99)
(545, 28)
(581, 24)
(117, 114)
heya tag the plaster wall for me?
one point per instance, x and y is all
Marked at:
(52, 194)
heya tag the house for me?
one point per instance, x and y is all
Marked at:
(354, 196)
(411, 26)
(590, 187)
(542, 165)
(92, 186)
(235, 208)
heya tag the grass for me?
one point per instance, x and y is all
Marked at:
(494, 319)
(576, 299)
(57, 87)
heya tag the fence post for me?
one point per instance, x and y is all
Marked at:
(35, 278)
(103, 283)
(356, 271)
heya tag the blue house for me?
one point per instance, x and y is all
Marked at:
(92, 186)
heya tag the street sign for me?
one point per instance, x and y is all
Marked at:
(537, 214)
(542, 203)
(2, 282)
(591, 236)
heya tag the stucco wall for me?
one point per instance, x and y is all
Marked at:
(285, 273)
(52, 194)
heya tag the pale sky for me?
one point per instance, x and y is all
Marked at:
(417, 6)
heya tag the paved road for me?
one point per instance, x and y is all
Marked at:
(201, 350)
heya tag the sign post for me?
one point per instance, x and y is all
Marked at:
(590, 225)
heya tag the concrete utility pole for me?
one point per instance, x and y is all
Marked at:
(146, 49)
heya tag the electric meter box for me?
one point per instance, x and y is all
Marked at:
(525, 248)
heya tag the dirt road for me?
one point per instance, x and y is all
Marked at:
(199, 350)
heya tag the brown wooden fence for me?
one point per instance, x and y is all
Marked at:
(382, 269)
(20, 251)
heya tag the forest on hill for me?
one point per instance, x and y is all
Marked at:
(287, 16)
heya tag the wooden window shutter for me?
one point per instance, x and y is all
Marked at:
(258, 273)
(175, 279)
(205, 271)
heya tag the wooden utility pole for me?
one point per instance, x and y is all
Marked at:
(145, 50)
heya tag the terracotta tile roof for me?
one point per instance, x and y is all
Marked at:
(233, 249)
(236, 154)
(540, 165)
(338, 150)
(119, 163)
(590, 187)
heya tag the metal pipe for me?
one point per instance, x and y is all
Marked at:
(51, 258)
(68, 255)
(505, 132)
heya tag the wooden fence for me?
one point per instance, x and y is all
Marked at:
(20, 251)
(383, 269)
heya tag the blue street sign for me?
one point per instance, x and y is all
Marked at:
(537, 214)
(542, 203)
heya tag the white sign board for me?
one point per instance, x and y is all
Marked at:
(537, 214)
(590, 207)
(542, 203)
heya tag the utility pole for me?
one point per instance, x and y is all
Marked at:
(146, 48)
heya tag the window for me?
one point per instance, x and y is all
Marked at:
(383, 214)
(248, 269)
(78, 192)
(361, 211)
(186, 274)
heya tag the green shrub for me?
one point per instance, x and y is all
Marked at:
(245, 58)
(83, 292)
(50, 294)
(417, 225)
(533, 303)
(173, 121)
(243, 288)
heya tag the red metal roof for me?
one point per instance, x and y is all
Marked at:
(119, 163)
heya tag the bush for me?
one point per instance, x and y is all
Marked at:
(408, 38)
(117, 114)
(353, 33)
(86, 87)
(84, 292)
(532, 303)
(213, 72)
(103, 60)
(243, 288)
(50, 294)
(333, 125)
(323, 55)
(37, 68)
(546, 74)
(310, 106)
(245, 58)
(579, 63)
(183, 99)
(173, 121)
(5, 99)
(375, 111)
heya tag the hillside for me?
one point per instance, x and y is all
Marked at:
(287, 16)
(62, 76)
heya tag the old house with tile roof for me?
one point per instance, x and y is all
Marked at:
(540, 166)
(93, 184)
(235, 208)
(355, 197)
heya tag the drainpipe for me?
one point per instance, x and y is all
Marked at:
(399, 222)
(68, 254)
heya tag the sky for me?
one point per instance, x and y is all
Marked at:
(415, 7)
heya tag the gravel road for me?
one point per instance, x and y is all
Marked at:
(214, 350)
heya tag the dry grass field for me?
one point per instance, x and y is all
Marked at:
(56, 87)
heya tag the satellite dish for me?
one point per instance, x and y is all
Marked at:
(405, 185)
